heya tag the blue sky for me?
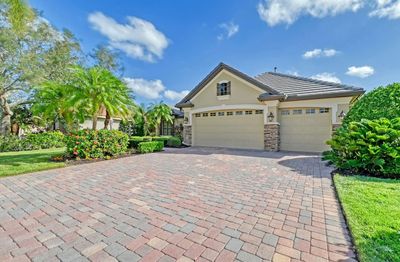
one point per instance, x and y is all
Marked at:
(169, 46)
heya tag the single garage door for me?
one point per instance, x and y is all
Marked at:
(305, 129)
(233, 129)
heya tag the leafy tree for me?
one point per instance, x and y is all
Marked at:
(158, 113)
(19, 14)
(383, 101)
(29, 55)
(95, 88)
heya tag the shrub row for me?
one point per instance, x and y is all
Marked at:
(367, 146)
(32, 141)
(170, 141)
(90, 144)
(149, 147)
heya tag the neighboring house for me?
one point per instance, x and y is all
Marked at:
(176, 127)
(271, 111)
(114, 122)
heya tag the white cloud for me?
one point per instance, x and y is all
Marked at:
(276, 12)
(329, 77)
(230, 30)
(175, 96)
(150, 89)
(361, 71)
(387, 9)
(320, 53)
(138, 38)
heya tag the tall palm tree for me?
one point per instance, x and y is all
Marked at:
(158, 113)
(96, 88)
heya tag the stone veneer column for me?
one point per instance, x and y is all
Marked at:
(187, 135)
(272, 137)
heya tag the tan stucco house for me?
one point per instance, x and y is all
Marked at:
(271, 111)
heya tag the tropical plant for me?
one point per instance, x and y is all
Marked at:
(368, 146)
(149, 147)
(160, 112)
(383, 101)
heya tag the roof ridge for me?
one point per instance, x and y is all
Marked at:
(308, 79)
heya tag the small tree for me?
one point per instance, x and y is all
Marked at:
(158, 113)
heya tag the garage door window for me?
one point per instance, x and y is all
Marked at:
(212, 114)
(259, 112)
(248, 112)
(324, 110)
(297, 111)
(285, 112)
(239, 113)
(205, 114)
(221, 113)
(197, 115)
(229, 113)
(310, 111)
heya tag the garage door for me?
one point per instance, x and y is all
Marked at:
(234, 129)
(305, 129)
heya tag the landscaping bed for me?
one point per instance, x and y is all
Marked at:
(372, 209)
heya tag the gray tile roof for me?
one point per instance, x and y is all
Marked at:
(290, 85)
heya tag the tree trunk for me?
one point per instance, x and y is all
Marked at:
(107, 120)
(94, 122)
(5, 125)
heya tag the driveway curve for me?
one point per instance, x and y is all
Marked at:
(202, 204)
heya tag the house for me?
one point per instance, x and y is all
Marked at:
(176, 127)
(271, 111)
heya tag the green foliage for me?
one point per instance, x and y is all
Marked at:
(148, 147)
(88, 144)
(32, 141)
(381, 102)
(371, 146)
(134, 141)
(174, 142)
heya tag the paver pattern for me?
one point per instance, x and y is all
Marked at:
(182, 204)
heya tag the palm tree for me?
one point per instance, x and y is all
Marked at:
(52, 103)
(96, 88)
(158, 113)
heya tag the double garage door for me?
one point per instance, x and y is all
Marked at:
(234, 129)
(301, 129)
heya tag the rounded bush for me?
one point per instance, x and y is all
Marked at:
(89, 144)
(383, 101)
(174, 142)
(32, 141)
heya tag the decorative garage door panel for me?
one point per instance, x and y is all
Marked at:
(305, 130)
(233, 131)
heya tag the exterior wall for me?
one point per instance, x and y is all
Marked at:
(242, 92)
(100, 124)
(272, 137)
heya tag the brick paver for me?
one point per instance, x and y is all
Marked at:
(182, 204)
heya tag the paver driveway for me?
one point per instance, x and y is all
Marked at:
(182, 204)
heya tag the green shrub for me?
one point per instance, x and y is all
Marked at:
(164, 139)
(89, 144)
(381, 102)
(174, 142)
(32, 141)
(134, 141)
(148, 147)
(369, 146)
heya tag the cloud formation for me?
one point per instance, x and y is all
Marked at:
(230, 29)
(361, 71)
(175, 96)
(276, 12)
(320, 53)
(328, 77)
(138, 39)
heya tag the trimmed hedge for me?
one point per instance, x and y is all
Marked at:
(90, 144)
(368, 146)
(148, 147)
(170, 141)
(44, 140)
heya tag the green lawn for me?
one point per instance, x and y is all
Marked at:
(372, 208)
(13, 163)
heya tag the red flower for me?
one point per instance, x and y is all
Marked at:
(75, 153)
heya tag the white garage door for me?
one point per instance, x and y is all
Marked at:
(233, 129)
(305, 129)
